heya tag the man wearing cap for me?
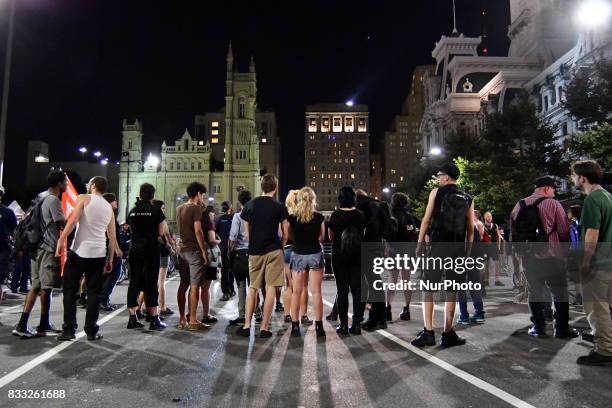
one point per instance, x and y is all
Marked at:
(223, 227)
(544, 267)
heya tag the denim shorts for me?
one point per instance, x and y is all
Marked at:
(302, 263)
(288, 252)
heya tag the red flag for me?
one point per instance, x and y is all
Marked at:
(69, 200)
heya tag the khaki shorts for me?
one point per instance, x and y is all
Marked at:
(266, 269)
(191, 268)
(45, 270)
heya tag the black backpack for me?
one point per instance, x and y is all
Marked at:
(527, 226)
(406, 226)
(452, 220)
(350, 242)
(389, 224)
(30, 231)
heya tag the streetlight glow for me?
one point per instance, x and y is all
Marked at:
(350, 103)
(593, 13)
(104, 162)
(386, 190)
(97, 154)
(152, 160)
(83, 149)
(435, 151)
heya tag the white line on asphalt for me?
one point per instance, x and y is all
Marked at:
(475, 381)
(13, 375)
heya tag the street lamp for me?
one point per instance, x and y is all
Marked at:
(435, 151)
(350, 103)
(104, 161)
(152, 160)
(97, 154)
(593, 13)
(386, 190)
(83, 150)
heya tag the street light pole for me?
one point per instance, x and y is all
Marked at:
(5, 87)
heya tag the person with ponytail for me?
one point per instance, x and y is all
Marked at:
(307, 230)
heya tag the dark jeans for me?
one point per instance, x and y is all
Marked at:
(348, 278)
(21, 273)
(540, 274)
(110, 280)
(75, 268)
(144, 276)
(473, 275)
(227, 277)
(4, 264)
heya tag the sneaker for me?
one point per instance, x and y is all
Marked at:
(209, 319)
(49, 328)
(236, 321)
(265, 334)
(295, 329)
(25, 332)
(535, 332)
(587, 336)
(66, 336)
(244, 332)
(279, 307)
(498, 283)
(342, 328)
(94, 337)
(424, 338)
(166, 312)
(568, 333)
(465, 321)
(288, 319)
(405, 315)
(107, 307)
(451, 339)
(319, 329)
(157, 324)
(225, 297)
(355, 328)
(478, 318)
(332, 317)
(133, 323)
(373, 326)
(594, 358)
(306, 321)
(197, 326)
(388, 315)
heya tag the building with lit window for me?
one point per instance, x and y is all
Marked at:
(225, 153)
(375, 176)
(337, 149)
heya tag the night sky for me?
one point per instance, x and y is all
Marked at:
(80, 67)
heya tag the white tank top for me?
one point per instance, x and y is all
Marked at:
(90, 237)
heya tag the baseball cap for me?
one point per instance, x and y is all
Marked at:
(450, 169)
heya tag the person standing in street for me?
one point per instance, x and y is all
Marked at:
(192, 252)
(596, 263)
(239, 250)
(110, 279)
(223, 227)
(165, 249)
(45, 264)
(94, 221)
(263, 216)
(8, 222)
(147, 223)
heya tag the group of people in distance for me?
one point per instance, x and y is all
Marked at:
(251, 245)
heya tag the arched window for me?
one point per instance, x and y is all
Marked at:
(242, 108)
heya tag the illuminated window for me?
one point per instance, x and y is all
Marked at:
(325, 124)
(214, 140)
(401, 178)
(352, 177)
(348, 124)
(361, 125)
(337, 124)
(312, 124)
(215, 132)
(201, 143)
(215, 124)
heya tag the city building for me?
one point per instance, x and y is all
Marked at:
(546, 47)
(225, 156)
(39, 163)
(337, 149)
(401, 142)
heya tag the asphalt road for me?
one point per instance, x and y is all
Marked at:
(499, 366)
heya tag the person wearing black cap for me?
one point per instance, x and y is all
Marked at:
(223, 227)
(538, 224)
(450, 213)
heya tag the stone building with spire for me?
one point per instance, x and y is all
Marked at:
(229, 151)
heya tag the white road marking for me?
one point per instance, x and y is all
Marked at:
(475, 381)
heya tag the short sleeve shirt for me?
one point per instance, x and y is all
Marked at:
(306, 234)
(52, 213)
(144, 220)
(597, 214)
(340, 220)
(264, 214)
(186, 215)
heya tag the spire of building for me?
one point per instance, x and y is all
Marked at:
(455, 31)
(252, 65)
(230, 57)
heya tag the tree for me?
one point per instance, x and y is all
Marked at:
(594, 143)
(588, 97)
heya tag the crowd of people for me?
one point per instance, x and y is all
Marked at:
(266, 245)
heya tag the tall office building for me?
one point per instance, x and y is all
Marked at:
(337, 149)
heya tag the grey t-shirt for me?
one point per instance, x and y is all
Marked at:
(51, 211)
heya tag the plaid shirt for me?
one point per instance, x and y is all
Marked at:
(553, 219)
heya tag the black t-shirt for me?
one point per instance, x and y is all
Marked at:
(374, 218)
(144, 220)
(264, 215)
(223, 227)
(306, 235)
(340, 220)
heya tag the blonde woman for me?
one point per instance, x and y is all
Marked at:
(291, 203)
(307, 230)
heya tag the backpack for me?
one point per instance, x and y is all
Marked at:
(30, 232)
(406, 226)
(389, 224)
(452, 220)
(528, 227)
(350, 242)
